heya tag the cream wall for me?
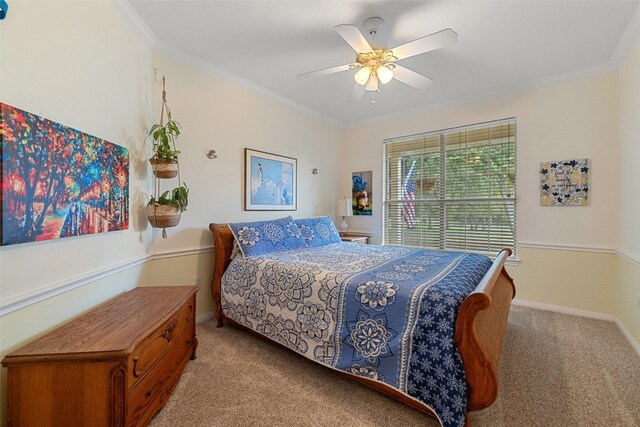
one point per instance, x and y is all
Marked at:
(101, 83)
(628, 284)
(216, 113)
(96, 83)
(575, 119)
(81, 64)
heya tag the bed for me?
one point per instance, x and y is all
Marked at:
(365, 311)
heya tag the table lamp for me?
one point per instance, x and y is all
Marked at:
(345, 209)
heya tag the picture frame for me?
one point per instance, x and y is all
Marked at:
(57, 181)
(362, 193)
(270, 181)
(564, 182)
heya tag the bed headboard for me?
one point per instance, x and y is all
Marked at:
(223, 247)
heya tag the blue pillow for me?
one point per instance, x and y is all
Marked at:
(262, 237)
(318, 231)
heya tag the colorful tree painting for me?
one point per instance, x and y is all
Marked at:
(57, 181)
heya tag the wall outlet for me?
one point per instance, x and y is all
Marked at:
(196, 281)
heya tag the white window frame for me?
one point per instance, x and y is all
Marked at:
(442, 200)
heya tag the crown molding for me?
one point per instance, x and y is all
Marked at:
(134, 20)
(157, 45)
(180, 55)
(593, 70)
(630, 35)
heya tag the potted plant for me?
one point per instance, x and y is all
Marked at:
(165, 210)
(165, 156)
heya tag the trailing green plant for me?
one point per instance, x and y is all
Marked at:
(164, 137)
(178, 197)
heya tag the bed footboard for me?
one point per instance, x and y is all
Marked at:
(482, 320)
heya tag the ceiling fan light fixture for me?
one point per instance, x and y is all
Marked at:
(385, 74)
(362, 76)
(372, 83)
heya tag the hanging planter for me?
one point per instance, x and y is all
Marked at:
(164, 168)
(165, 210)
(163, 216)
(165, 156)
(426, 184)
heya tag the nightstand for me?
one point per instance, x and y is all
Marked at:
(355, 238)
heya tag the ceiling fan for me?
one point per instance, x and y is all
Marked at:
(378, 65)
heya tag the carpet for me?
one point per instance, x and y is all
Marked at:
(555, 370)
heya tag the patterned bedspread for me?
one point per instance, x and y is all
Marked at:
(382, 312)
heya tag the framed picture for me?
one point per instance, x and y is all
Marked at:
(58, 181)
(564, 183)
(270, 181)
(361, 193)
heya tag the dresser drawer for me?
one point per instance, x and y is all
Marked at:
(153, 348)
(153, 391)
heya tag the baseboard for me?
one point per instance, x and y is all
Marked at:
(564, 310)
(630, 338)
(204, 317)
(581, 313)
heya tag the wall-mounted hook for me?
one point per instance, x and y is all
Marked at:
(314, 171)
(212, 154)
(155, 77)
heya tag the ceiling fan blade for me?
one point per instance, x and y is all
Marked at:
(352, 35)
(326, 71)
(411, 78)
(357, 93)
(426, 44)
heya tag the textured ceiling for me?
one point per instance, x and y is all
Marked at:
(502, 45)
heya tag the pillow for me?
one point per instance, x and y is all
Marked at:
(262, 237)
(318, 231)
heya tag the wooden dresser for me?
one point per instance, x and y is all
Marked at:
(116, 365)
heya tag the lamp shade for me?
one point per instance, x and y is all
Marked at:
(372, 83)
(384, 74)
(345, 207)
(362, 76)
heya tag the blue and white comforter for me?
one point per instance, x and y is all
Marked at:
(385, 313)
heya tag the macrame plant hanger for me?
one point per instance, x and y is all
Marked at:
(156, 191)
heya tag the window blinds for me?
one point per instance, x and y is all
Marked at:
(452, 189)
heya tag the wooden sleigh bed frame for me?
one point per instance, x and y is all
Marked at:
(479, 332)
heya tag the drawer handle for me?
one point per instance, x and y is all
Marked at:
(168, 333)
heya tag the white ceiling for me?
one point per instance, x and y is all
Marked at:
(502, 45)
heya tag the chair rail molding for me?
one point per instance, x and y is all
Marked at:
(17, 302)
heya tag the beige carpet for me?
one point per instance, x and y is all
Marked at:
(556, 370)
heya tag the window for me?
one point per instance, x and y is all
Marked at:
(452, 189)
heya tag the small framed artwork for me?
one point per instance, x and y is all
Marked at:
(361, 193)
(270, 181)
(564, 183)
